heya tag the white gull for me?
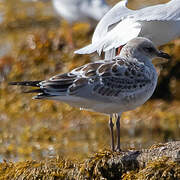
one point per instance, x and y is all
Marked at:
(81, 10)
(110, 87)
(159, 23)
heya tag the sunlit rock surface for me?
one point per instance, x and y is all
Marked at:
(161, 161)
(33, 46)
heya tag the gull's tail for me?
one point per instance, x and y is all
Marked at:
(47, 89)
(26, 83)
(41, 92)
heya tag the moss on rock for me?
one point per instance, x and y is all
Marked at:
(160, 169)
(106, 165)
(48, 169)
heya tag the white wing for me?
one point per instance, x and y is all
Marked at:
(124, 31)
(162, 12)
(121, 24)
(116, 14)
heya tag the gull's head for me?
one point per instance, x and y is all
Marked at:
(142, 48)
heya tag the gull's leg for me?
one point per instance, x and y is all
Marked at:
(119, 50)
(118, 131)
(111, 125)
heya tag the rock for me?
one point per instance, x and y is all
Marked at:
(155, 160)
(161, 161)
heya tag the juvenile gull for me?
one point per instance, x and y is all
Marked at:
(159, 23)
(107, 86)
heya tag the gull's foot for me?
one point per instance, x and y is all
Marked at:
(112, 149)
(118, 149)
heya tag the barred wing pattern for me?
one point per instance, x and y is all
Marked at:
(103, 78)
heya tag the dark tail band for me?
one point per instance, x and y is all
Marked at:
(26, 83)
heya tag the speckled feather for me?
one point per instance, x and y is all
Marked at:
(107, 86)
(106, 78)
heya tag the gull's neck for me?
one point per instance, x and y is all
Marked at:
(131, 54)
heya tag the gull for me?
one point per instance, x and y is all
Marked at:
(73, 11)
(81, 10)
(159, 23)
(107, 86)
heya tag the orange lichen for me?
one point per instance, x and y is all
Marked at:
(31, 129)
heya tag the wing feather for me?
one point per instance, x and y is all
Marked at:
(120, 77)
(101, 78)
(121, 24)
(112, 17)
(115, 15)
(124, 31)
(162, 12)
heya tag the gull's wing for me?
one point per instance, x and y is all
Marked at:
(110, 19)
(118, 36)
(162, 12)
(99, 80)
(124, 31)
(115, 15)
(115, 29)
(120, 77)
(62, 84)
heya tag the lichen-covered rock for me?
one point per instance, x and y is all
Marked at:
(160, 169)
(32, 170)
(161, 161)
(37, 49)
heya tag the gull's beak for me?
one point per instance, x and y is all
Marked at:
(164, 55)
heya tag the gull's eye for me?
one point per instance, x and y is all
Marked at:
(149, 49)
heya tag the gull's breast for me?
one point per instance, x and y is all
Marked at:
(139, 97)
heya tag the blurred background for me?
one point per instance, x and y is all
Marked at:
(34, 45)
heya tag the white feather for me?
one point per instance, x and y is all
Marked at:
(114, 38)
(159, 23)
(114, 15)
